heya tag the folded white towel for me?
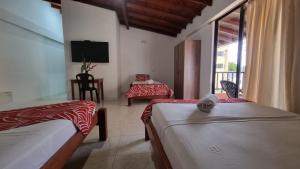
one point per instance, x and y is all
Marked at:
(207, 103)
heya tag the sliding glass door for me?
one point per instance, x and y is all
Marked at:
(229, 54)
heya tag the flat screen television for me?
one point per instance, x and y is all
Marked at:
(96, 52)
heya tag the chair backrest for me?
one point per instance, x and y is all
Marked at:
(230, 88)
(142, 77)
(84, 80)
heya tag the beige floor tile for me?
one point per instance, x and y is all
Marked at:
(108, 149)
(133, 144)
(135, 161)
(132, 129)
(94, 162)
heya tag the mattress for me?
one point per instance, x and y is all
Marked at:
(232, 136)
(31, 146)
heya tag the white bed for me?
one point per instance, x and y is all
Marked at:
(232, 136)
(31, 146)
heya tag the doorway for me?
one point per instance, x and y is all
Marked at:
(230, 54)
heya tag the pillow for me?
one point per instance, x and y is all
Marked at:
(142, 77)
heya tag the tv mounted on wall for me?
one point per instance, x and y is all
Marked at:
(96, 52)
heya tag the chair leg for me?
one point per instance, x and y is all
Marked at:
(80, 95)
(91, 94)
(97, 96)
(83, 95)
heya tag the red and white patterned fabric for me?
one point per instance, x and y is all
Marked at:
(142, 77)
(149, 90)
(148, 110)
(79, 112)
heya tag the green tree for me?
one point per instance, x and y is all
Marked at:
(231, 67)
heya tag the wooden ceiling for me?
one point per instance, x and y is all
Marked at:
(166, 17)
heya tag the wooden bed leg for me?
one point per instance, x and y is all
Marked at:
(102, 117)
(146, 134)
(129, 101)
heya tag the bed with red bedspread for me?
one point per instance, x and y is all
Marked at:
(144, 88)
(149, 92)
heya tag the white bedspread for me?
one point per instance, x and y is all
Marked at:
(232, 136)
(31, 146)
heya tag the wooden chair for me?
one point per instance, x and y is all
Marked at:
(84, 80)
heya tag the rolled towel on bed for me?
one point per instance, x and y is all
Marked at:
(207, 103)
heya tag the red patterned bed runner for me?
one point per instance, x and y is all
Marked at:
(79, 112)
(149, 90)
(148, 110)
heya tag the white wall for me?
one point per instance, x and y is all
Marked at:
(32, 55)
(86, 22)
(145, 52)
(206, 37)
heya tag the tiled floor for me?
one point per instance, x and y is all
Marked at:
(125, 147)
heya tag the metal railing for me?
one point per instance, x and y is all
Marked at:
(230, 76)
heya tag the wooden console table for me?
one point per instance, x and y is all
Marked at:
(99, 84)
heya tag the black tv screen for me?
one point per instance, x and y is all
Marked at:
(90, 51)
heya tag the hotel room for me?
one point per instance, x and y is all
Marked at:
(149, 84)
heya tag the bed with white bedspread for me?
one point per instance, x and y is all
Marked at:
(231, 136)
(31, 146)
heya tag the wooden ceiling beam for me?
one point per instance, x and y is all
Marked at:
(121, 9)
(225, 39)
(228, 36)
(158, 14)
(158, 26)
(149, 25)
(203, 2)
(153, 30)
(192, 5)
(229, 25)
(167, 7)
(100, 3)
(155, 21)
(229, 30)
(221, 42)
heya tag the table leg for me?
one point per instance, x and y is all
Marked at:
(72, 90)
(102, 93)
(98, 88)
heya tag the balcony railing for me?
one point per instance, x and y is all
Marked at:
(230, 76)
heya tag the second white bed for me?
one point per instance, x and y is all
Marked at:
(232, 136)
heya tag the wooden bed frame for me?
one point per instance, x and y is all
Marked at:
(159, 156)
(61, 157)
(146, 98)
